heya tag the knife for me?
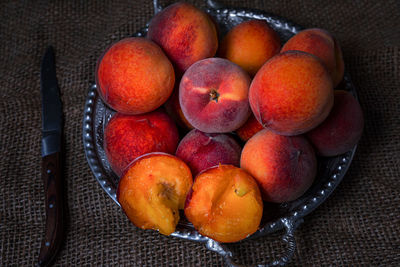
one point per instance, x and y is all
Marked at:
(52, 124)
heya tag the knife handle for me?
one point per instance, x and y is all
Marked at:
(52, 179)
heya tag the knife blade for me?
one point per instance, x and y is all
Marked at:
(51, 149)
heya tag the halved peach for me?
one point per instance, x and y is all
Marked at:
(153, 189)
(225, 204)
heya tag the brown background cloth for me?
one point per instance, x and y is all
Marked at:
(358, 225)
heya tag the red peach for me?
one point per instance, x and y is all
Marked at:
(134, 76)
(323, 45)
(283, 166)
(127, 137)
(203, 150)
(174, 110)
(343, 128)
(213, 94)
(250, 128)
(185, 33)
(292, 93)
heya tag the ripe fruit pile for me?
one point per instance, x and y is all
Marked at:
(280, 101)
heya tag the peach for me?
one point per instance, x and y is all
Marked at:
(126, 137)
(134, 76)
(152, 191)
(323, 45)
(225, 204)
(203, 150)
(292, 93)
(174, 110)
(250, 128)
(213, 94)
(185, 33)
(343, 128)
(283, 166)
(250, 44)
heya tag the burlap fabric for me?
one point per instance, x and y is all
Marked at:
(358, 225)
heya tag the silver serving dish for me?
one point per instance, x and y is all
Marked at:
(287, 215)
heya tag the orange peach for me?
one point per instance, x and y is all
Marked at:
(126, 137)
(213, 94)
(185, 33)
(134, 76)
(250, 44)
(203, 150)
(292, 93)
(343, 128)
(323, 45)
(225, 204)
(283, 166)
(250, 128)
(152, 191)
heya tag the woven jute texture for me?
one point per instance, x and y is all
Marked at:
(358, 225)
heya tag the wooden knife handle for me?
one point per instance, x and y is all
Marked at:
(53, 185)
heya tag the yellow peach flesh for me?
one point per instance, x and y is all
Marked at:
(225, 204)
(153, 189)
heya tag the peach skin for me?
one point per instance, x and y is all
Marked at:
(292, 93)
(174, 110)
(283, 166)
(203, 150)
(343, 128)
(323, 45)
(250, 128)
(225, 204)
(134, 76)
(185, 33)
(213, 94)
(250, 44)
(126, 137)
(152, 191)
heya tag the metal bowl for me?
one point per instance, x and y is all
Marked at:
(286, 215)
